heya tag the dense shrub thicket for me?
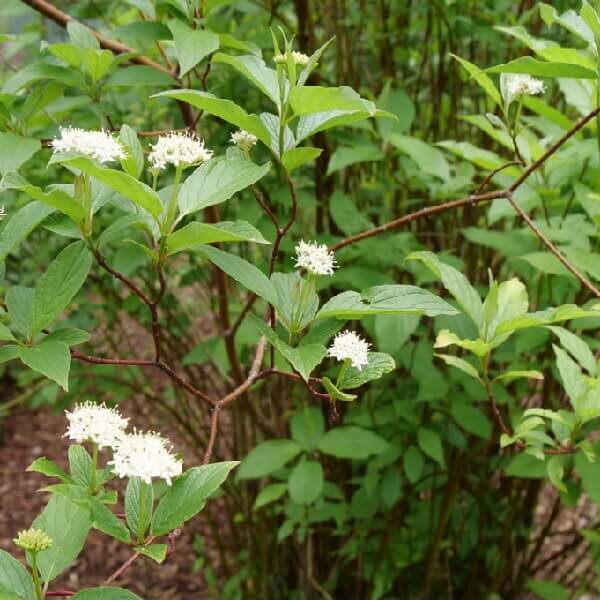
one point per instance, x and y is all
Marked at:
(347, 251)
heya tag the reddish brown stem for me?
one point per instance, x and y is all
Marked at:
(542, 237)
(473, 199)
(162, 366)
(62, 19)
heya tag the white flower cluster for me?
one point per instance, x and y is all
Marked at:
(315, 258)
(524, 85)
(243, 140)
(184, 149)
(348, 345)
(144, 455)
(298, 57)
(89, 422)
(99, 145)
(147, 456)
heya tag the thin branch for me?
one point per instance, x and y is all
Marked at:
(134, 362)
(540, 234)
(473, 199)
(488, 179)
(253, 375)
(62, 19)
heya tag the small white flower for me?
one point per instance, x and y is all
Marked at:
(147, 456)
(349, 345)
(99, 145)
(95, 423)
(315, 258)
(2, 212)
(178, 149)
(524, 85)
(243, 140)
(298, 57)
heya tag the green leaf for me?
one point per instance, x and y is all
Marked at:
(306, 482)
(347, 156)
(471, 419)
(54, 197)
(157, 552)
(455, 282)
(49, 468)
(335, 393)
(270, 493)
(114, 232)
(133, 164)
(385, 299)
(320, 121)
(570, 374)
(14, 579)
(512, 302)
(97, 63)
(105, 593)
(104, 520)
(8, 352)
(352, 442)
(82, 36)
(548, 590)
(188, 494)
(71, 336)
(136, 191)
(538, 68)
(140, 76)
(566, 312)
(307, 426)
(446, 338)
(347, 215)
(242, 271)
(21, 224)
(59, 284)
(512, 375)
(304, 358)
(36, 71)
(51, 359)
(138, 523)
(5, 334)
(192, 45)
(577, 348)
(19, 301)
(224, 109)
(481, 78)
(315, 99)
(429, 159)
(267, 458)
(297, 300)
(80, 465)
(431, 445)
(461, 364)
(67, 525)
(218, 180)
(379, 364)
(296, 157)
(254, 69)
(204, 233)
(590, 16)
(16, 150)
(556, 472)
(413, 463)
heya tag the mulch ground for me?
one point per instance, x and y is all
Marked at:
(26, 435)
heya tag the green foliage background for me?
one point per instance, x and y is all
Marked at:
(406, 492)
